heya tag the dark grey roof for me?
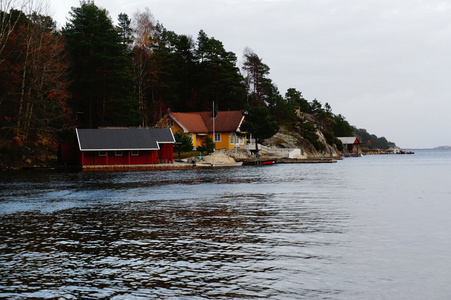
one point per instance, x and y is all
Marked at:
(348, 140)
(123, 139)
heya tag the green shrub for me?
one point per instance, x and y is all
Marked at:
(207, 145)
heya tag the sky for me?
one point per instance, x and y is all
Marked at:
(383, 64)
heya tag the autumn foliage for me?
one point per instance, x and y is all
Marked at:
(91, 73)
(33, 79)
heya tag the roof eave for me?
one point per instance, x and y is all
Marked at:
(125, 149)
(239, 125)
(178, 123)
(78, 139)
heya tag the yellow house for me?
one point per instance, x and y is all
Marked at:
(223, 130)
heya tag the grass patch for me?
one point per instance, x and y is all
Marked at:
(187, 154)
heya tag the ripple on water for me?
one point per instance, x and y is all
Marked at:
(302, 231)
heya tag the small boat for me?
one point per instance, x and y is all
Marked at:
(260, 162)
(217, 165)
(406, 152)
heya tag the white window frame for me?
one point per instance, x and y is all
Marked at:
(134, 153)
(102, 153)
(235, 139)
(217, 140)
(118, 153)
(170, 123)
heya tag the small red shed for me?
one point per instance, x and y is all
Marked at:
(125, 146)
(350, 145)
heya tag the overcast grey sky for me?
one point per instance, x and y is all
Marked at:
(383, 64)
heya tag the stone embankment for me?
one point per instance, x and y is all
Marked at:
(245, 156)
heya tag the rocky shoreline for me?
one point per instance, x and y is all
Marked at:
(225, 157)
(230, 156)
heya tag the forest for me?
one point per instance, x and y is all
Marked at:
(92, 73)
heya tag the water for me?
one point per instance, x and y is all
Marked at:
(376, 227)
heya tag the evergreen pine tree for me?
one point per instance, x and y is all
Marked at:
(102, 81)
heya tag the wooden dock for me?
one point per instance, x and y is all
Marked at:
(325, 160)
(279, 160)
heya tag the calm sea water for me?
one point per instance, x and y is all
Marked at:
(375, 227)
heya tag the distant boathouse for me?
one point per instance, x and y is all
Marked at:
(351, 145)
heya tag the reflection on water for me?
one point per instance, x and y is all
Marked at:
(284, 232)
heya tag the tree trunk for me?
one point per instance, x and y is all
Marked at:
(22, 92)
(7, 26)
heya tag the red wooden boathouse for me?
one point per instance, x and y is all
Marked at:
(125, 146)
(350, 145)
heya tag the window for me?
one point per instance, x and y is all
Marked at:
(170, 122)
(135, 152)
(102, 153)
(118, 153)
(235, 139)
(217, 137)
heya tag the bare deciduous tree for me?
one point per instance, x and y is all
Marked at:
(7, 23)
(144, 25)
(45, 96)
(34, 50)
